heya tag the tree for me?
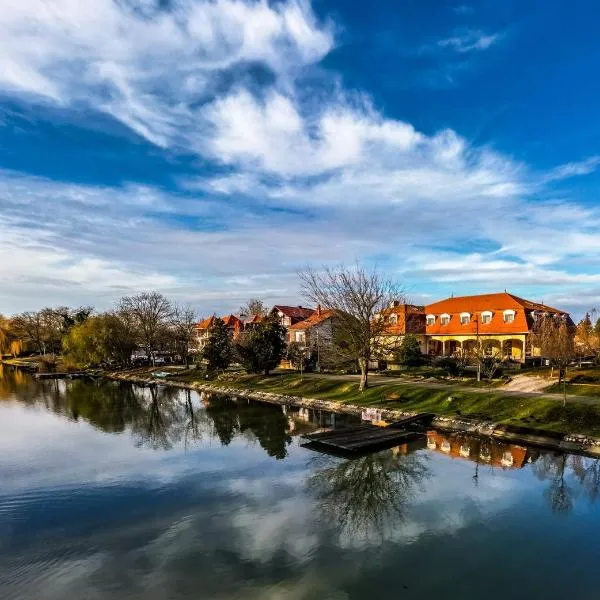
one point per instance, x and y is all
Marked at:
(554, 336)
(150, 312)
(261, 348)
(254, 307)
(99, 340)
(301, 358)
(183, 326)
(585, 334)
(357, 297)
(218, 350)
(29, 326)
(409, 352)
(7, 335)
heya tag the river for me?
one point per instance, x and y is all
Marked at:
(114, 491)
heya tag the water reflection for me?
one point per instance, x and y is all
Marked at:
(357, 494)
(368, 494)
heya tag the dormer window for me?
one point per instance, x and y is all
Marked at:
(486, 317)
(430, 319)
(445, 319)
(509, 316)
(465, 318)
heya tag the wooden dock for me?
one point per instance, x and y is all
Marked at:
(61, 375)
(361, 439)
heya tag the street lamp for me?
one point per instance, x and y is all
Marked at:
(477, 349)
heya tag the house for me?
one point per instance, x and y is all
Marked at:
(316, 329)
(499, 323)
(400, 319)
(290, 315)
(233, 323)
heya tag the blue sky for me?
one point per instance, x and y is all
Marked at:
(211, 149)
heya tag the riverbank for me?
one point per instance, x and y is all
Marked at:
(539, 421)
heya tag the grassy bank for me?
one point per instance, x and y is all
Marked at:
(537, 412)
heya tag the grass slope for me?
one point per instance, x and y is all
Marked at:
(537, 412)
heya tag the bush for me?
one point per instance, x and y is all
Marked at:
(409, 353)
(448, 365)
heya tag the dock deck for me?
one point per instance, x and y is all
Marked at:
(365, 438)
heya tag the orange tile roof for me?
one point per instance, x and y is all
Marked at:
(475, 305)
(206, 323)
(316, 318)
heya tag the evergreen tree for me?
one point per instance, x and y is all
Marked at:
(409, 353)
(218, 350)
(261, 348)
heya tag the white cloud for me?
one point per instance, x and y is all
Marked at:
(144, 64)
(469, 41)
(573, 169)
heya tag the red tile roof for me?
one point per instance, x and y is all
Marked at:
(316, 318)
(294, 312)
(475, 305)
(206, 323)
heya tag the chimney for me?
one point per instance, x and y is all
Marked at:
(318, 310)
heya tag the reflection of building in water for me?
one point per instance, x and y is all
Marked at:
(489, 452)
(413, 445)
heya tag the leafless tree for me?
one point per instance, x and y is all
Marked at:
(357, 297)
(183, 327)
(554, 336)
(254, 307)
(29, 327)
(150, 312)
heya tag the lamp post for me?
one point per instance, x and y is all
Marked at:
(477, 348)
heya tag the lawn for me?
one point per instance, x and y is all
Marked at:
(538, 412)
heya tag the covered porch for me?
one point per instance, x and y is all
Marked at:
(506, 346)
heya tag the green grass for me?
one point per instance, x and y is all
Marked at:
(580, 389)
(538, 412)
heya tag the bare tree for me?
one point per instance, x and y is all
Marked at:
(183, 326)
(357, 297)
(150, 312)
(254, 307)
(554, 336)
(29, 326)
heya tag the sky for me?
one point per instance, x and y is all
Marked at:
(211, 149)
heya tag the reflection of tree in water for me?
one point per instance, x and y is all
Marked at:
(551, 467)
(267, 423)
(108, 406)
(370, 493)
(587, 473)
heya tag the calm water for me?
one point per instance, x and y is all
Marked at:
(111, 491)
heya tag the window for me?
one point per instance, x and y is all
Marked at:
(509, 316)
(465, 318)
(299, 336)
(430, 319)
(445, 319)
(393, 319)
(486, 317)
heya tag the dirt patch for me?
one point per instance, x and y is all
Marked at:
(527, 383)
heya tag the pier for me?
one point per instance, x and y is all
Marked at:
(365, 438)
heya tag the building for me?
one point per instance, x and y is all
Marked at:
(317, 329)
(400, 319)
(233, 323)
(500, 324)
(290, 315)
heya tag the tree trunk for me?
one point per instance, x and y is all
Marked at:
(364, 374)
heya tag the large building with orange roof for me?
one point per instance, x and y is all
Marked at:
(499, 323)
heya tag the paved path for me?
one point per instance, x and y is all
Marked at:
(377, 380)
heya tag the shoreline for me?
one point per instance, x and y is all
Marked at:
(569, 442)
